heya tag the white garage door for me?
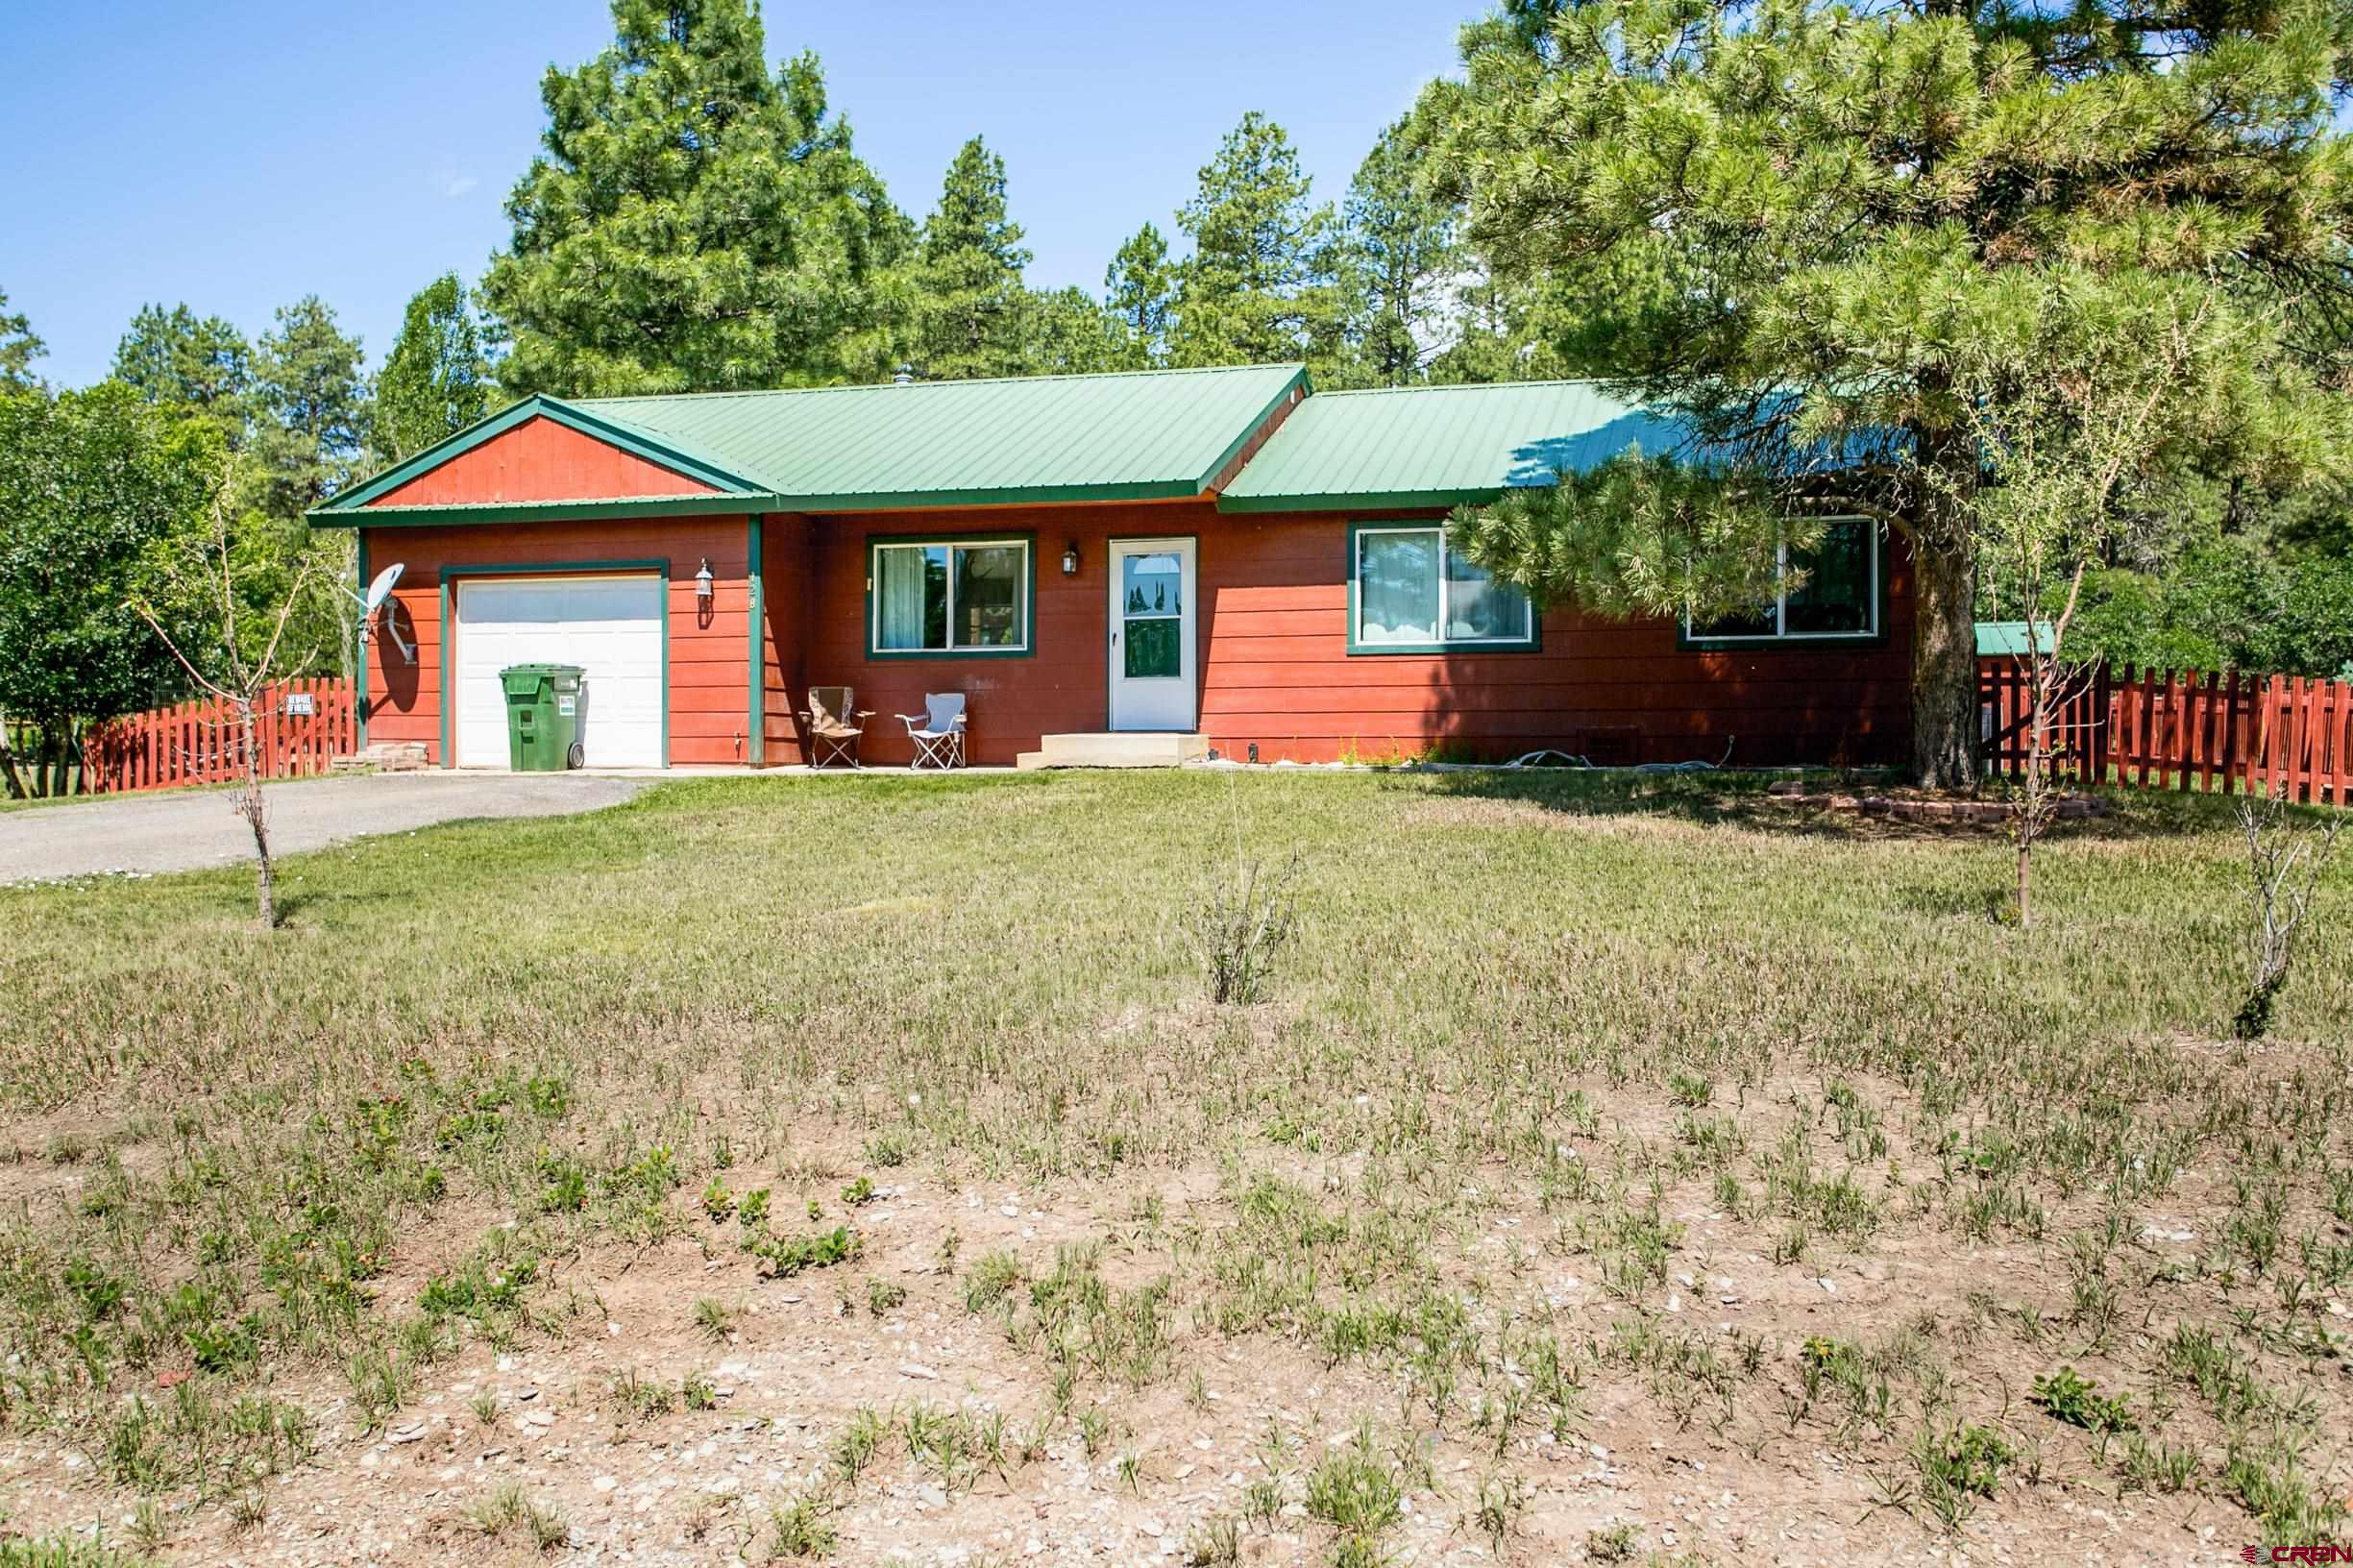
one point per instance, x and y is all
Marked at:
(609, 627)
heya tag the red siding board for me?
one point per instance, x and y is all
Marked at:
(541, 460)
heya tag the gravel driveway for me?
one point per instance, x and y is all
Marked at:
(176, 830)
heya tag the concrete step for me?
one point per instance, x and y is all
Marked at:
(384, 756)
(1140, 748)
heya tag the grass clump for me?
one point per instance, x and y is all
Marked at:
(1613, 1543)
(1357, 1492)
(993, 1277)
(1242, 927)
(1959, 1466)
(800, 1529)
(511, 1513)
(67, 1552)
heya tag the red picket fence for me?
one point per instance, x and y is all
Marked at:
(201, 742)
(2181, 729)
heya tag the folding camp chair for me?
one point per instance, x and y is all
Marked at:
(834, 725)
(937, 731)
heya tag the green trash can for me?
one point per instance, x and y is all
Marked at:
(543, 717)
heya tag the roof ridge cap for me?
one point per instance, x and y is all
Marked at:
(1465, 386)
(1291, 365)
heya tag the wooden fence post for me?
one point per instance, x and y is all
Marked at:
(2328, 758)
(2274, 744)
(2229, 738)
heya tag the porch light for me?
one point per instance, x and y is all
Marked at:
(702, 583)
(1070, 559)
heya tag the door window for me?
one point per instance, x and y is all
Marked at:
(1152, 611)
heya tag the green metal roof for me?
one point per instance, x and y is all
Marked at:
(2003, 639)
(1132, 436)
(1108, 437)
(1437, 446)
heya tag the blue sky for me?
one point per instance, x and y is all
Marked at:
(239, 157)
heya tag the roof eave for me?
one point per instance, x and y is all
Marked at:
(1367, 501)
(703, 503)
(1036, 494)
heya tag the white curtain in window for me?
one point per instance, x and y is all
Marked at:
(901, 575)
(1397, 587)
(1477, 608)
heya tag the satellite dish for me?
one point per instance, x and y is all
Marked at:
(379, 595)
(382, 588)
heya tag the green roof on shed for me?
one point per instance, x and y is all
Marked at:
(2003, 639)
(1437, 446)
(1127, 436)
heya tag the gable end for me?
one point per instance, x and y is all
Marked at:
(537, 460)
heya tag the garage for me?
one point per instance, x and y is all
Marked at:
(609, 625)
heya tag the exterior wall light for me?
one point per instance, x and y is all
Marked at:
(702, 583)
(1070, 560)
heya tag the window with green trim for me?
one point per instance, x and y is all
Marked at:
(1837, 600)
(949, 597)
(1410, 589)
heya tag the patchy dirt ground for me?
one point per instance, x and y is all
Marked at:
(801, 1357)
(1616, 1176)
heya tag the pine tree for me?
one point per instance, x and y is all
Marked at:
(1258, 288)
(310, 437)
(694, 222)
(1140, 290)
(1066, 332)
(1399, 259)
(1842, 210)
(314, 402)
(18, 349)
(436, 380)
(176, 360)
(972, 309)
(1505, 330)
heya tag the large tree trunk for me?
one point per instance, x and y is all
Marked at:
(1944, 664)
(1944, 614)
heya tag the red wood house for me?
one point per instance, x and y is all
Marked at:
(1222, 557)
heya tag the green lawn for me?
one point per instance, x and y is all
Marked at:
(1594, 1007)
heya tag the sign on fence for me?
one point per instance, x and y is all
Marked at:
(301, 728)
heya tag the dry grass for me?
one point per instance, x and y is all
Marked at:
(1553, 1069)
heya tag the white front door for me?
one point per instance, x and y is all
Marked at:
(611, 626)
(1152, 605)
